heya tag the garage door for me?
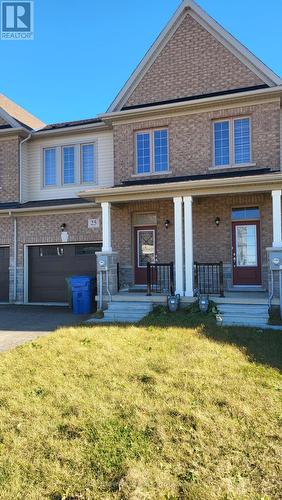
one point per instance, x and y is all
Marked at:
(50, 265)
(4, 274)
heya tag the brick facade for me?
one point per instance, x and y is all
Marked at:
(9, 169)
(37, 229)
(211, 243)
(193, 62)
(191, 142)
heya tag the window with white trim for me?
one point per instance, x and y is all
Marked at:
(152, 151)
(232, 142)
(50, 167)
(87, 163)
(68, 165)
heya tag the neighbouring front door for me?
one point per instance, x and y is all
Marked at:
(145, 251)
(246, 253)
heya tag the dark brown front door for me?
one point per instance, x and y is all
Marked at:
(4, 274)
(50, 265)
(246, 254)
(145, 251)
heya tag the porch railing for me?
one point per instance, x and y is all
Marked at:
(209, 278)
(160, 278)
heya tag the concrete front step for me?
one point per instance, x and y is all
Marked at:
(254, 315)
(126, 312)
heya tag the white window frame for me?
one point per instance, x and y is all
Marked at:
(50, 186)
(152, 151)
(139, 231)
(232, 163)
(92, 143)
(74, 165)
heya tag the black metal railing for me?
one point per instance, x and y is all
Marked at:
(160, 278)
(209, 278)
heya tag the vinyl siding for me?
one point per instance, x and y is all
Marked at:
(33, 188)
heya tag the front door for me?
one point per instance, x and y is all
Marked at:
(145, 251)
(246, 253)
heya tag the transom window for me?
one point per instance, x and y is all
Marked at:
(152, 151)
(69, 164)
(232, 142)
(248, 213)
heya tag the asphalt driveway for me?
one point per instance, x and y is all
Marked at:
(19, 324)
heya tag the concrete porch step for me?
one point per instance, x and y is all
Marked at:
(125, 312)
(255, 315)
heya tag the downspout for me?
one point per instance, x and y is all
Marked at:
(15, 260)
(20, 167)
(15, 219)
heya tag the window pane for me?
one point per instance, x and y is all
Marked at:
(245, 213)
(242, 140)
(246, 246)
(161, 150)
(50, 167)
(143, 153)
(87, 163)
(68, 164)
(221, 143)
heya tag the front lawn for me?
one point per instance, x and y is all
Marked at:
(161, 410)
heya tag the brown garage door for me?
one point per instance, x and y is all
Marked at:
(50, 265)
(4, 274)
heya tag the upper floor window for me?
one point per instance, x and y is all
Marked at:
(50, 169)
(152, 151)
(68, 165)
(87, 163)
(232, 142)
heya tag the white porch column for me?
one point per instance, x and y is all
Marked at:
(276, 218)
(188, 246)
(107, 227)
(178, 242)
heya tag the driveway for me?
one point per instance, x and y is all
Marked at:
(19, 324)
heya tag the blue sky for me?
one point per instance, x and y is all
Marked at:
(83, 52)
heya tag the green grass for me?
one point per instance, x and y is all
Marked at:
(173, 408)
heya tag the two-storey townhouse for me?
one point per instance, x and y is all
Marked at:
(197, 162)
(47, 232)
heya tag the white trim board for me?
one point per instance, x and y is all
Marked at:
(229, 42)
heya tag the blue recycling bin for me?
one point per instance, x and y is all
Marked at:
(82, 288)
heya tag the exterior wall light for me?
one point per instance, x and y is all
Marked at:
(217, 221)
(167, 223)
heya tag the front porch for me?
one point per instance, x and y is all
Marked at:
(228, 233)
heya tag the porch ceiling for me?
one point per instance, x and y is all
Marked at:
(247, 184)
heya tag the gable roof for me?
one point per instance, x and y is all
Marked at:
(233, 45)
(16, 116)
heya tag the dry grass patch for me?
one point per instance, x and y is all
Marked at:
(148, 411)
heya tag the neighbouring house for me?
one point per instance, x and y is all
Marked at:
(183, 170)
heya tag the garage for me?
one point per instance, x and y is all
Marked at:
(50, 265)
(4, 273)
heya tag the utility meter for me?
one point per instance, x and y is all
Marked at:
(102, 263)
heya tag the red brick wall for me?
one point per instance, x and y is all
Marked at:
(193, 62)
(9, 170)
(191, 144)
(211, 243)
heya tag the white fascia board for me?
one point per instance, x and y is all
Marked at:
(9, 119)
(66, 130)
(232, 44)
(205, 101)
